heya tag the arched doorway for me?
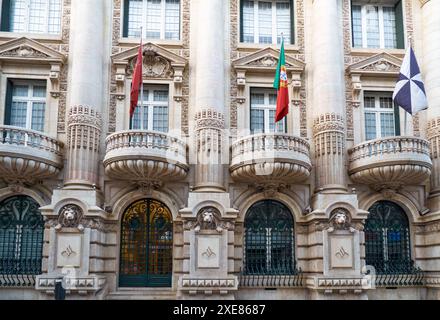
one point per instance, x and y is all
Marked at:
(146, 245)
(21, 237)
(269, 239)
(387, 239)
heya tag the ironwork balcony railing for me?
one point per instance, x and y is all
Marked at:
(269, 157)
(141, 155)
(390, 162)
(274, 278)
(398, 274)
(19, 272)
(28, 154)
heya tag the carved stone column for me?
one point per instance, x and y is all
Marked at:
(86, 92)
(209, 96)
(431, 72)
(328, 96)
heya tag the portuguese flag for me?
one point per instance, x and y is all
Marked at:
(280, 83)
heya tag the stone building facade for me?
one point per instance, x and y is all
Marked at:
(200, 195)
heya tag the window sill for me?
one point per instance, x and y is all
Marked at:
(6, 36)
(370, 51)
(259, 46)
(161, 42)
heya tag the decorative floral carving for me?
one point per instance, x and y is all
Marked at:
(69, 217)
(24, 51)
(154, 66)
(267, 61)
(382, 65)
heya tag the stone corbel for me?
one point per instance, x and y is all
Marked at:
(241, 82)
(357, 87)
(54, 76)
(296, 87)
(120, 79)
(178, 80)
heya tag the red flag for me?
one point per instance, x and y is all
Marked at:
(281, 84)
(136, 82)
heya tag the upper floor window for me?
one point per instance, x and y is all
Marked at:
(26, 104)
(263, 109)
(159, 19)
(381, 115)
(377, 26)
(152, 113)
(265, 21)
(33, 16)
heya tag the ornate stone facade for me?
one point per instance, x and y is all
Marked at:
(199, 185)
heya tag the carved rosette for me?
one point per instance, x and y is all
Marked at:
(329, 138)
(83, 136)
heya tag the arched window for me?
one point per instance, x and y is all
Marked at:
(387, 239)
(146, 245)
(21, 236)
(269, 239)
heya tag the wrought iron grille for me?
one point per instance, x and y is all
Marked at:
(387, 240)
(21, 241)
(269, 240)
(146, 245)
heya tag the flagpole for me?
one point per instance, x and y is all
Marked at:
(142, 87)
(406, 112)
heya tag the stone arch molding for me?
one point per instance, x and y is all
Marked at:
(25, 51)
(286, 200)
(21, 191)
(158, 63)
(127, 199)
(406, 204)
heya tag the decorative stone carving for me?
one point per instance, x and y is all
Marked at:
(25, 52)
(340, 219)
(390, 163)
(263, 61)
(208, 219)
(70, 216)
(154, 66)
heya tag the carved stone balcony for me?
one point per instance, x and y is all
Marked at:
(390, 163)
(145, 157)
(270, 159)
(28, 155)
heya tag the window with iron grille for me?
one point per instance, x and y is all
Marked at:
(269, 239)
(146, 245)
(263, 109)
(381, 115)
(387, 239)
(160, 19)
(21, 239)
(377, 26)
(152, 112)
(265, 21)
(26, 104)
(32, 16)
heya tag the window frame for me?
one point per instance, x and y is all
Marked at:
(151, 104)
(6, 16)
(274, 25)
(399, 27)
(266, 107)
(29, 100)
(377, 110)
(125, 21)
